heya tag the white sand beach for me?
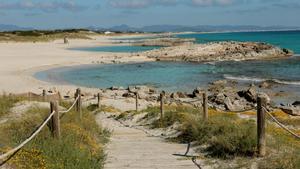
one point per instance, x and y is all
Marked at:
(20, 60)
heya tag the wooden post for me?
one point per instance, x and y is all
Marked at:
(29, 96)
(136, 101)
(99, 100)
(44, 95)
(205, 106)
(78, 104)
(261, 135)
(55, 124)
(162, 112)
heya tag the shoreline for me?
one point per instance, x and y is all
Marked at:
(19, 66)
(18, 69)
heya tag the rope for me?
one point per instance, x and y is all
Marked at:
(280, 124)
(14, 150)
(66, 111)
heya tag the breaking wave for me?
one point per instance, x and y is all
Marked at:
(255, 79)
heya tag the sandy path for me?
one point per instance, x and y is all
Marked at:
(132, 149)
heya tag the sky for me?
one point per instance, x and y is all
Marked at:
(49, 14)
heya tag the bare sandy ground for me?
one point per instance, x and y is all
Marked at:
(19, 61)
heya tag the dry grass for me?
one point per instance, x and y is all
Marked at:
(81, 144)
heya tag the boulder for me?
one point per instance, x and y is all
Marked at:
(143, 95)
(177, 95)
(250, 95)
(182, 95)
(132, 89)
(128, 95)
(265, 85)
(220, 98)
(141, 88)
(233, 106)
(174, 96)
(197, 92)
(291, 110)
(296, 103)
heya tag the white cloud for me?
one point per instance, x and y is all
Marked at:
(212, 2)
(141, 3)
(43, 6)
(136, 4)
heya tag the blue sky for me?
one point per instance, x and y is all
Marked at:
(138, 13)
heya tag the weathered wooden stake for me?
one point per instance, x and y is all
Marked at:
(136, 101)
(78, 104)
(29, 96)
(99, 100)
(55, 124)
(261, 135)
(44, 95)
(162, 112)
(205, 106)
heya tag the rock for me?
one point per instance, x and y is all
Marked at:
(178, 95)
(265, 85)
(128, 95)
(250, 95)
(233, 106)
(132, 89)
(266, 96)
(141, 88)
(217, 98)
(219, 51)
(220, 82)
(143, 95)
(116, 88)
(296, 103)
(182, 95)
(174, 96)
(291, 110)
(197, 92)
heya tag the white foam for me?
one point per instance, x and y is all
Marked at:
(255, 79)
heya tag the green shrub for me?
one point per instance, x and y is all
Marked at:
(6, 103)
(80, 146)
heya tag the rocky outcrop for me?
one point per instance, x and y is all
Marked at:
(218, 51)
(165, 42)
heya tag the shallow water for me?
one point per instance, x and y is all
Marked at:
(284, 39)
(179, 76)
(117, 49)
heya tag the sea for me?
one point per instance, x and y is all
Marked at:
(181, 76)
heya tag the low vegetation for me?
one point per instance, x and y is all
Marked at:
(80, 146)
(7, 102)
(227, 136)
(46, 35)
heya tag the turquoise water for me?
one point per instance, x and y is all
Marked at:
(118, 49)
(180, 76)
(173, 76)
(284, 39)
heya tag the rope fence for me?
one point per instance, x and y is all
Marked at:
(12, 151)
(54, 129)
(280, 124)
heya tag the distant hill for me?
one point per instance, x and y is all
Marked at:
(4, 27)
(169, 28)
(200, 28)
